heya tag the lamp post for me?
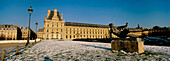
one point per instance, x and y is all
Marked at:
(30, 10)
(36, 31)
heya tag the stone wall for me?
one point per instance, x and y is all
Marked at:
(18, 41)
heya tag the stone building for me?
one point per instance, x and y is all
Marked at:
(10, 32)
(159, 32)
(138, 31)
(40, 33)
(55, 27)
(24, 32)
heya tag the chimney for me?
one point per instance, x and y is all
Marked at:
(48, 13)
(45, 17)
(61, 15)
(55, 12)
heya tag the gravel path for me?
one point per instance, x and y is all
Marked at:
(82, 51)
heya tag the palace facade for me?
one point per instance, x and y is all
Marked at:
(157, 31)
(55, 27)
(10, 32)
(13, 32)
(24, 32)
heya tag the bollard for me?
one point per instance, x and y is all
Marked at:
(17, 50)
(3, 55)
(30, 44)
(24, 46)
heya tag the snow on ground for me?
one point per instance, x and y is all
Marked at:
(82, 51)
(158, 49)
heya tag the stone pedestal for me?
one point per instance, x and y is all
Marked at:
(128, 45)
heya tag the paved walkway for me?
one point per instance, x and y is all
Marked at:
(78, 51)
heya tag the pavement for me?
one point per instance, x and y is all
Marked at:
(85, 51)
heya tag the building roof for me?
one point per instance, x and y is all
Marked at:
(8, 26)
(85, 25)
(26, 28)
(52, 14)
(40, 30)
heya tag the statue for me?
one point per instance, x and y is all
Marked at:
(122, 32)
(124, 43)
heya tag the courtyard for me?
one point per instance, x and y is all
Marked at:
(86, 51)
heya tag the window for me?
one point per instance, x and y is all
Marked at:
(61, 30)
(57, 36)
(61, 24)
(52, 35)
(74, 36)
(47, 25)
(52, 24)
(47, 30)
(70, 36)
(57, 24)
(66, 36)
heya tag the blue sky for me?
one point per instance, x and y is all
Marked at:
(147, 13)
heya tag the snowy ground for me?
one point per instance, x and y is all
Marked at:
(85, 51)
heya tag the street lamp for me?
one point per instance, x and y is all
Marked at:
(30, 10)
(36, 31)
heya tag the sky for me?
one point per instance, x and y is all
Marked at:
(147, 13)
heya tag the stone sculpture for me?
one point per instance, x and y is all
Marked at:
(132, 44)
(122, 32)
